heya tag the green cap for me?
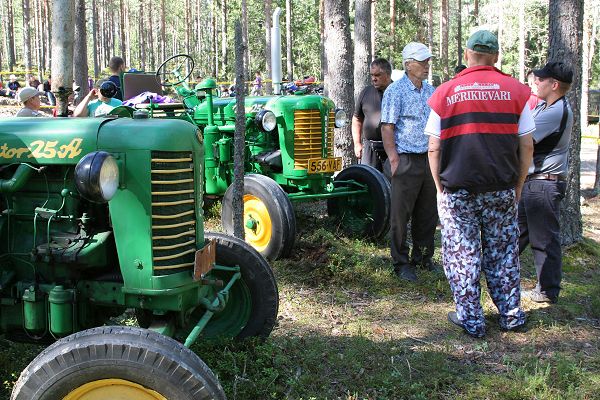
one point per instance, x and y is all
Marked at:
(483, 42)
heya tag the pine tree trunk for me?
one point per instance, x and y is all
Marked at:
(10, 36)
(392, 28)
(459, 41)
(48, 33)
(444, 39)
(80, 63)
(95, 38)
(245, 38)
(476, 12)
(288, 39)
(522, 41)
(373, 28)
(142, 34)
(339, 85)
(500, 33)
(268, 19)
(565, 33)
(362, 45)
(224, 39)
(62, 53)
(122, 32)
(150, 35)
(322, 39)
(430, 34)
(239, 135)
(163, 32)
(585, 70)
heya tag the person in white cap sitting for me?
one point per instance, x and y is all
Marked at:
(13, 85)
(30, 97)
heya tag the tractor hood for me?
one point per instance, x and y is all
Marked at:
(47, 140)
(67, 140)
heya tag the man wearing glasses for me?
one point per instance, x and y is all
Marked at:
(544, 188)
(404, 113)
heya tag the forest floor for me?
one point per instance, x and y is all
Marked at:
(349, 329)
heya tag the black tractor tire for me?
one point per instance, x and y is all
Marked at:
(141, 360)
(257, 285)
(367, 215)
(266, 204)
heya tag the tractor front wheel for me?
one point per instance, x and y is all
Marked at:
(253, 300)
(117, 362)
(269, 220)
(366, 214)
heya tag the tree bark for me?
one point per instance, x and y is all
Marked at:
(476, 12)
(268, 17)
(459, 34)
(585, 68)
(373, 28)
(223, 39)
(522, 41)
(245, 38)
(163, 31)
(122, 44)
(10, 35)
(362, 45)
(340, 83)
(500, 33)
(239, 135)
(95, 38)
(62, 53)
(322, 40)
(392, 28)
(150, 44)
(48, 33)
(444, 39)
(565, 33)
(288, 39)
(430, 34)
(80, 63)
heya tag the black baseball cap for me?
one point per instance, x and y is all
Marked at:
(556, 70)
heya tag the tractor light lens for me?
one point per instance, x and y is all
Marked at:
(266, 120)
(97, 176)
(341, 118)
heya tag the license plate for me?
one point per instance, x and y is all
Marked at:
(319, 165)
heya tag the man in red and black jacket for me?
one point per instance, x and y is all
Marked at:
(480, 148)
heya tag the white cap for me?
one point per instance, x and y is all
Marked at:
(27, 93)
(12, 77)
(415, 51)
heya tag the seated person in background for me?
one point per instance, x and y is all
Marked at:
(99, 101)
(30, 97)
(47, 88)
(13, 86)
(33, 82)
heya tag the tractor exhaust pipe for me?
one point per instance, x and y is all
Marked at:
(276, 52)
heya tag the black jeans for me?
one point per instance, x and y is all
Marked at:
(373, 154)
(414, 199)
(539, 216)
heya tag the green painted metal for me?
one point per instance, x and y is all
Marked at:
(66, 263)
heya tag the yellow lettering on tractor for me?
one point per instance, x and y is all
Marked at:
(43, 149)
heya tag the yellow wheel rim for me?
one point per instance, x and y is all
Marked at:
(257, 222)
(113, 389)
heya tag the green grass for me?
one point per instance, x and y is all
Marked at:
(349, 329)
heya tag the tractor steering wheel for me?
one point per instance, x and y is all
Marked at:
(172, 67)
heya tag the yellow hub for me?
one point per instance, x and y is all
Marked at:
(113, 389)
(257, 222)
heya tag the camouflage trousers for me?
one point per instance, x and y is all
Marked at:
(480, 232)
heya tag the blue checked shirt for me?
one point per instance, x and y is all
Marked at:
(406, 107)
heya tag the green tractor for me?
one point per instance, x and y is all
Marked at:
(288, 158)
(102, 215)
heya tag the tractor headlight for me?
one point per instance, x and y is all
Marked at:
(341, 118)
(97, 176)
(266, 120)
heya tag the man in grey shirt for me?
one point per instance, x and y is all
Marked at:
(544, 188)
(30, 97)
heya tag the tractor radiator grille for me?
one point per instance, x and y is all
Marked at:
(173, 211)
(308, 137)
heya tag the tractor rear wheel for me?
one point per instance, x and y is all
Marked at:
(117, 362)
(365, 214)
(253, 300)
(269, 220)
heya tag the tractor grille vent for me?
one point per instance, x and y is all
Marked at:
(308, 137)
(173, 211)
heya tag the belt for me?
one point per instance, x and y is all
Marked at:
(546, 177)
